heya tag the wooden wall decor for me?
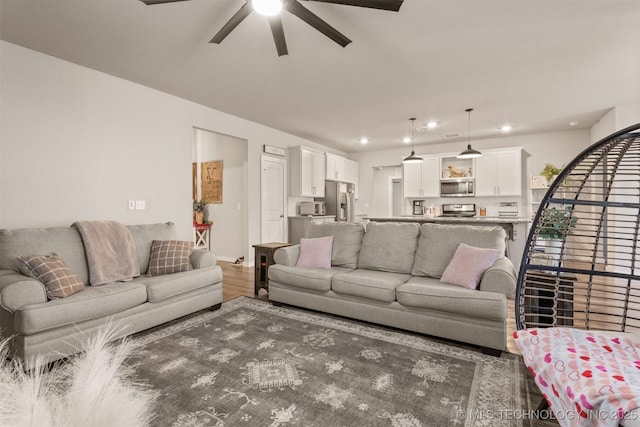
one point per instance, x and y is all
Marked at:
(211, 181)
(194, 181)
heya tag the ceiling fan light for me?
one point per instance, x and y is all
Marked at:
(267, 7)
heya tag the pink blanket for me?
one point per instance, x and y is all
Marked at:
(589, 378)
(111, 251)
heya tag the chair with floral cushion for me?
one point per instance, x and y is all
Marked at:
(578, 295)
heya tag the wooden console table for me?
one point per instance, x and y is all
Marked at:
(264, 258)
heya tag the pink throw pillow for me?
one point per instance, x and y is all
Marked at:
(468, 265)
(315, 252)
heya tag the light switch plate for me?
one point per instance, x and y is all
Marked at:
(141, 205)
(132, 205)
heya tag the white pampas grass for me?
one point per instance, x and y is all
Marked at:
(93, 388)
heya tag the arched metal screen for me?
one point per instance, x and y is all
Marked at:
(581, 265)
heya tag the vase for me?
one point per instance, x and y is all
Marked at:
(199, 217)
(552, 250)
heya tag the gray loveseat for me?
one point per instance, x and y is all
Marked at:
(37, 326)
(390, 275)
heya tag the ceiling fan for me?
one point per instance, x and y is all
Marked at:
(295, 8)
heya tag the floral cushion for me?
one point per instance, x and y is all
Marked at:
(589, 378)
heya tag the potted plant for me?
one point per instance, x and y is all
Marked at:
(198, 211)
(555, 224)
(550, 171)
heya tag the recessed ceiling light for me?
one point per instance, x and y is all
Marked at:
(574, 123)
(432, 125)
(406, 139)
(363, 140)
(506, 128)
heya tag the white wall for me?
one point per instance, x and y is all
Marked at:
(77, 144)
(616, 119)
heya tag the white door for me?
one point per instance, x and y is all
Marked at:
(272, 199)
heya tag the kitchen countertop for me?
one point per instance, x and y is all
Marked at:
(478, 219)
(312, 216)
(503, 221)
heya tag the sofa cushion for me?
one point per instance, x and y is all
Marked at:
(315, 252)
(376, 285)
(468, 265)
(144, 234)
(162, 287)
(169, 256)
(94, 302)
(430, 293)
(65, 241)
(438, 243)
(389, 246)
(318, 279)
(58, 279)
(347, 238)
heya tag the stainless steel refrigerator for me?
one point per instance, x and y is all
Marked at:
(340, 199)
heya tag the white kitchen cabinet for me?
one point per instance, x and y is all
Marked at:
(422, 179)
(306, 172)
(336, 168)
(351, 171)
(499, 172)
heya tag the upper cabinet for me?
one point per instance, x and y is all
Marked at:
(422, 179)
(342, 169)
(306, 172)
(335, 167)
(499, 172)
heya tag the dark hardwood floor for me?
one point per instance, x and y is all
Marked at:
(238, 281)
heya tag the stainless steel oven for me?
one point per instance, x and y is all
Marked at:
(457, 187)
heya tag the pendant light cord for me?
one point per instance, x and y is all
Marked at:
(469, 110)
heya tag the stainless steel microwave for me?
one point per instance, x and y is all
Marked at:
(460, 187)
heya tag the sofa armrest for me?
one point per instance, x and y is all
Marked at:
(500, 277)
(18, 290)
(287, 255)
(201, 258)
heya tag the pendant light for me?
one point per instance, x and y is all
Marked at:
(469, 153)
(412, 158)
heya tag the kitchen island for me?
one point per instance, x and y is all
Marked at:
(514, 226)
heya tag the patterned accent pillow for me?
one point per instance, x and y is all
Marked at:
(169, 256)
(58, 279)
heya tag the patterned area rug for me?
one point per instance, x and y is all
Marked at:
(253, 364)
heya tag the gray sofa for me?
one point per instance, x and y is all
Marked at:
(37, 326)
(390, 275)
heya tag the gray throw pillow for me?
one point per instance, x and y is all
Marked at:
(438, 243)
(389, 246)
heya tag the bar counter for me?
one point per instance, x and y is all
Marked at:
(505, 222)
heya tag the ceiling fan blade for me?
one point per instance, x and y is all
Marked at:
(152, 2)
(392, 5)
(278, 35)
(232, 23)
(316, 22)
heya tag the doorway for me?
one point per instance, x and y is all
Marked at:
(272, 199)
(229, 217)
